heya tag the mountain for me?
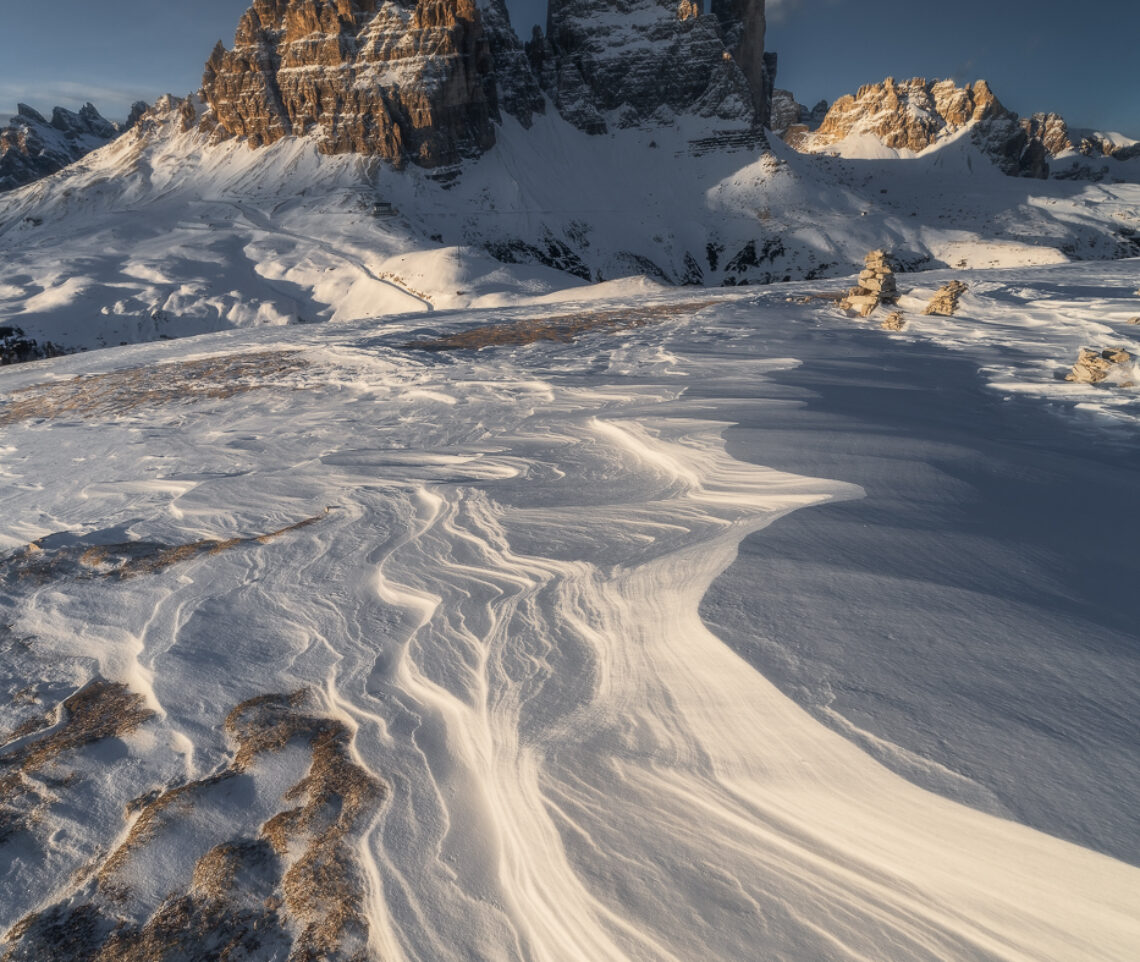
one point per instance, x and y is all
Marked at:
(480, 530)
(919, 114)
(364, 159)
(403, 82)
(32, 147)
(426, 82)
(646, 62)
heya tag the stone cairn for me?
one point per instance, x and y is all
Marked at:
(876, 286)
(1092, 367)
(945, 302)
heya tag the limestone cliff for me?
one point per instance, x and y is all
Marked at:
(407, 81)
(645, 62)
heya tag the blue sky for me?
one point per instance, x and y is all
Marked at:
(1079, 59)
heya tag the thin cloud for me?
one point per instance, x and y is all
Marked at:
(112, 101)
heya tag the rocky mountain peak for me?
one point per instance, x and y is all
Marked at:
(31, 146)
(917, 114)
(401, 80)
(644, 62)
(910, 114)
(425, 81)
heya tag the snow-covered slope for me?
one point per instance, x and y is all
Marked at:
(163, 235)
(399, 655)
(32, 147)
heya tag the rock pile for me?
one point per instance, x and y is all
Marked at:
(1092, 367)
(945, 302)
(876, 285)
(893, 321)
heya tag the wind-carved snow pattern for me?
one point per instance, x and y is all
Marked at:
(500, 613)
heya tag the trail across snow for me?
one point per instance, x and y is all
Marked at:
(502, 605)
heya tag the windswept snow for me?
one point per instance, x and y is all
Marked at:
(161, 235)
(501, 604)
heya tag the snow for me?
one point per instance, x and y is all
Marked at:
(160, 234)
(504, 602)
(753, 632)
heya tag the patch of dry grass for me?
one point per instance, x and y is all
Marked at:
(99, 710)
(125, 560)
(295, 888)
(123, 392)
(561, 327)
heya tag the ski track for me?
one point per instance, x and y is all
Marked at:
(502, 604)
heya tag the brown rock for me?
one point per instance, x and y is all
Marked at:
(916, 114)
(402, 81)
(1051, 130)
(945, 302)
(894, 321)
(876, 286)
(1092, 367)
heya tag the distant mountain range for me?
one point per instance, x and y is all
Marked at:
(31, 146)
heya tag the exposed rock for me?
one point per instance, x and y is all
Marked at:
(511, 85)
(876, 285)
(1092, 367)
(1134, 320)
(16, 347)
(945, 302)
(1050, 130)
(32, 147)
(404, 81)
(894, 321)
(788, 114)
(744, 25)
(1095, 143)
(917, 114)
(649, 61)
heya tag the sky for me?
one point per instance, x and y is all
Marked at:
(1080, 60)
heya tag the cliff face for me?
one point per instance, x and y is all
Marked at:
(401, 80)
(644, 62)
(32, 147)
(744, 26)
(426, 80)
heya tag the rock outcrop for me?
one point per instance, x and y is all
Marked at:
(641, 63)
(410, 81)
(1092, 366)
(945, 300)
(788, 113)
(32, 147)
(876, 285)
(917, 114)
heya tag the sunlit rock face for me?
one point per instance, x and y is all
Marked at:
(916, 114)
(406, 81)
